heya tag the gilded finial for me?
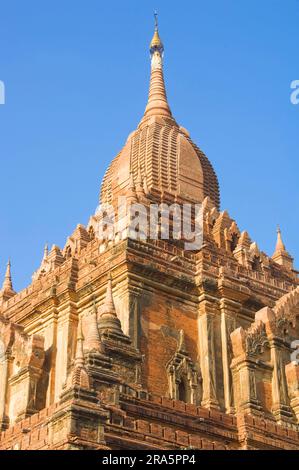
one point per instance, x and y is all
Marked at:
(157, 104)
(156, 43)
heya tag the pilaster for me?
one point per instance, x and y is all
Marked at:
(292, 375)
(207, 352)
(229, 310)
(5, 366)
(280, 407)
(66, 339)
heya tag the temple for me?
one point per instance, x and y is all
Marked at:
(139, 343)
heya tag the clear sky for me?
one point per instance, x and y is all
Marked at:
(76, 77)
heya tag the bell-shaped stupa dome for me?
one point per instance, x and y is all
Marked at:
(160, 153)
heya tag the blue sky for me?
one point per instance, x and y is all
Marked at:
(76, 77)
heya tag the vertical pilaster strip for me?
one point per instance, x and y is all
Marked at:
(66, 340)
(134, 316)
(4, 373)
(207, 354)
(228, 324)
(280, 406)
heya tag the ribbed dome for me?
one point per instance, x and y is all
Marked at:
(168, 160)
(162, 153)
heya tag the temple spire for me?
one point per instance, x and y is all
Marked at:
(79, 376)
(7, 290)
(281, 256)
(92, 339)
(157, 104)
(7, 284)
(46, 252)
(279, 244)
(109, 307)
(108, 320)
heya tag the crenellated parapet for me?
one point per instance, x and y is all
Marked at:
(222, 231)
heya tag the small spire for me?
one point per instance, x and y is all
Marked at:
(279, 244)
(92, 340)
(109, 307)
(46, 250)
(280, 255)
(7, 283)
(108, 320)
(131, 193)
(79, 376)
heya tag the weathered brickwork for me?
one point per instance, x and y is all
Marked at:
(143, 344)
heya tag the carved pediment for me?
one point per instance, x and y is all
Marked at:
(183, 374)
